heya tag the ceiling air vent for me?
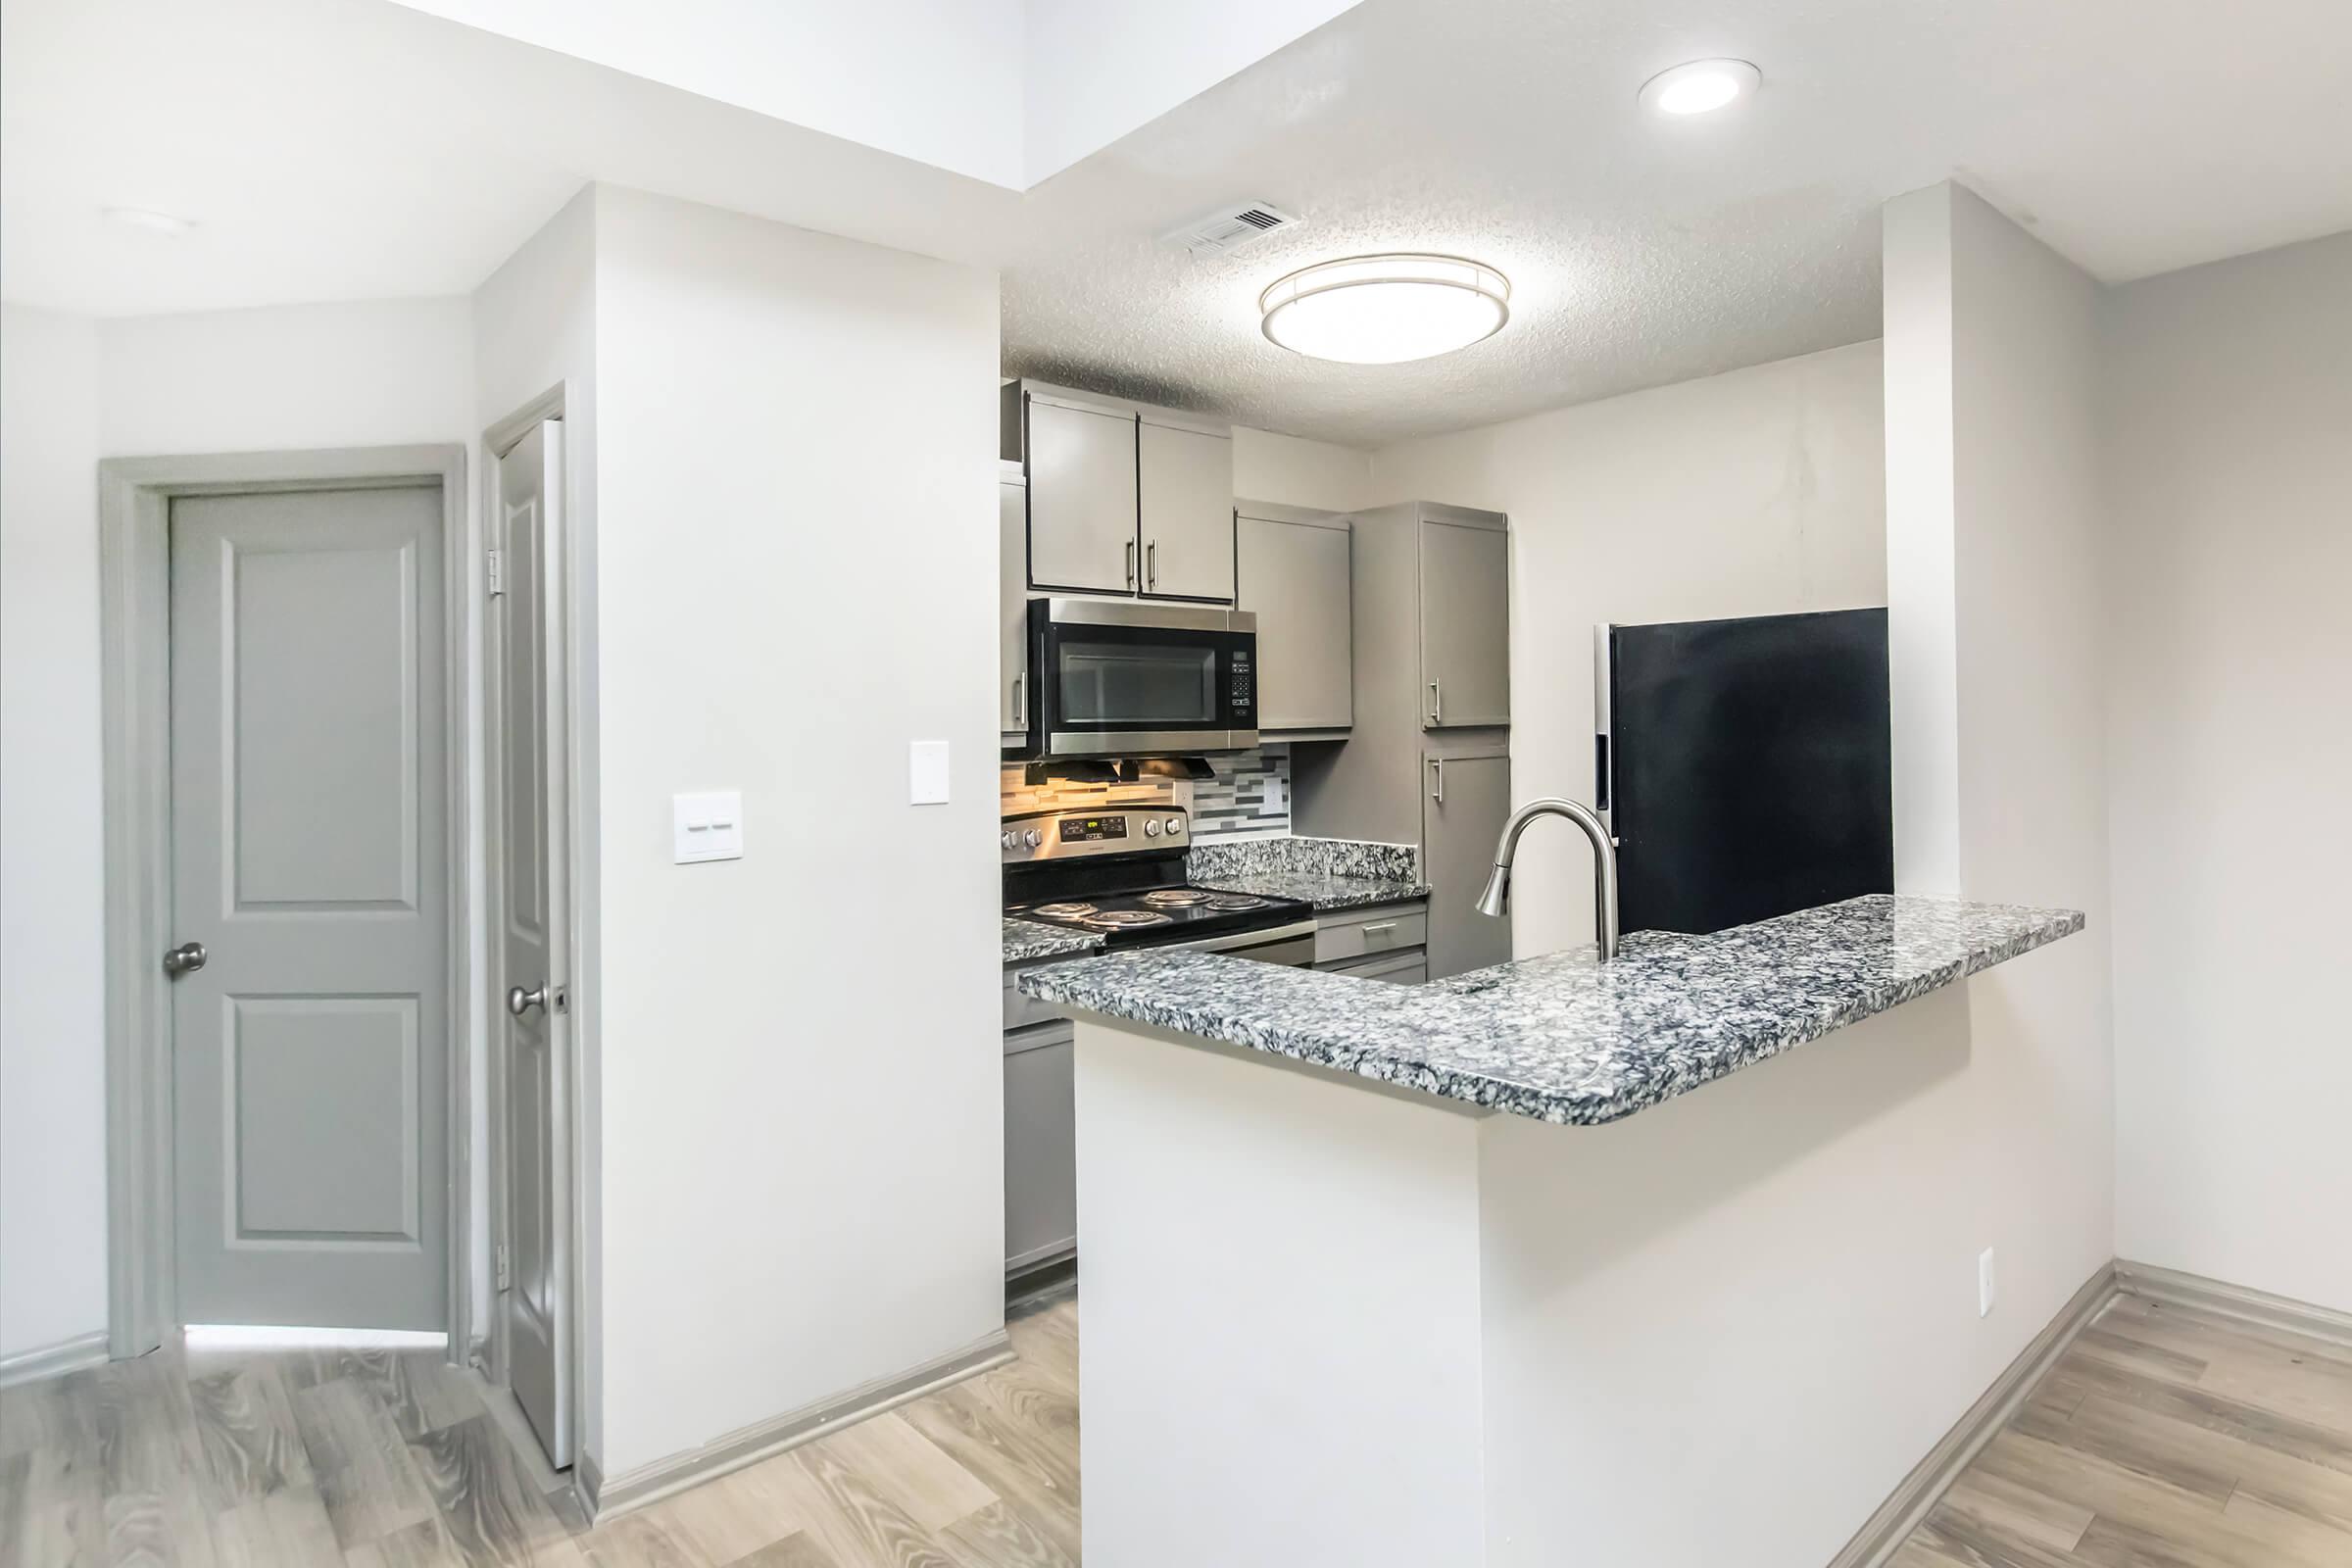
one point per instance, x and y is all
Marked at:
(1228, 228)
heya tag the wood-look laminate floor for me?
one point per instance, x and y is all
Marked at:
(2164, 1438)
(394, 1459)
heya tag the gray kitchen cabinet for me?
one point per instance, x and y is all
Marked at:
(1294, 568)
(1082, 497)
(1431, 602)
(1407, 968)
(1041, 1148)
(1345, 935)
(1465, 619)
(1012, 604)
(1467, 802)
(1185, 509)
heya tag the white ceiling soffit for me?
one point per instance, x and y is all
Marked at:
(2132, 137)
(357, 148)
(1010, 91)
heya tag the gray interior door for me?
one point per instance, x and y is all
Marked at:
(530, 918)
(1464, 805)
(1466, 626)
(307, 809)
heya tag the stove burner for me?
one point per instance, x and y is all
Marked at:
(1113, 919)
(1237, 901)
(1176, 897)
(1063, 911)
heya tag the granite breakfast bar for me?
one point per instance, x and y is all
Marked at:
(1347, 1245)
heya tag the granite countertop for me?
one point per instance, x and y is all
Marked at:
(1563, 1038)
(1025, 940)
(1328, 873)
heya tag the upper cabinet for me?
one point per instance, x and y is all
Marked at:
(1465, 618)
(1012, 607)
(1185, 478)
(1081, 464)
(1293, 575)
(1123, 499)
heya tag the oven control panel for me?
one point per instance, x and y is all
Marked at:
(1122, 830)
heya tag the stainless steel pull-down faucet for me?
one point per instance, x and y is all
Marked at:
(1496, 898)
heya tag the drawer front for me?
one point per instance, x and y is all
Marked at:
(1398, 968)
(1022, 1011)
(1354, 933)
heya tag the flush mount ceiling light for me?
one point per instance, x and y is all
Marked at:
(1385, 310)
(1700, 87)
(149, 223)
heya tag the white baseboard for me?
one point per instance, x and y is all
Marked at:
(1888, 1528)
(48, 1361)
(2239, 1302)
(650, 1483)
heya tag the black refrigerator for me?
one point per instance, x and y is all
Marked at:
(1744, 766)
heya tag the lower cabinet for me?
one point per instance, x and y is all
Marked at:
(1041, 1155)
(1386, 943)
(1398, 968)
(1465, 803)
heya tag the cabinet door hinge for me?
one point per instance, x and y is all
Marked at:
(498, 572)
(506, 1277)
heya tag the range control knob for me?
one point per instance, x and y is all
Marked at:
(1175, 826)
(1033, 838)
(1152, 828)
(1005, 840)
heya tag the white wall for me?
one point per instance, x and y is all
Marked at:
(1294, 471)
(52, 956)
(801, 1117)
(388, 372)
(2229, 434)
(1756, 492)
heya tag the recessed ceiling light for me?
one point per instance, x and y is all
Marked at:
(150, 223)
(1700, 88)
(1385, 310)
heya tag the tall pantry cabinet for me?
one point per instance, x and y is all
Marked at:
(1428, 759)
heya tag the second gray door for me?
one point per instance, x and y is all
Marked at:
(307, 809)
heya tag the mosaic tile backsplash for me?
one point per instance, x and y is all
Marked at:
(1249, 798)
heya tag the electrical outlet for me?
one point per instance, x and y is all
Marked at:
(1984, 1283)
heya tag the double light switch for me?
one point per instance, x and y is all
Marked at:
(707, 825)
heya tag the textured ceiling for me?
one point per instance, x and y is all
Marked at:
(2136, 136)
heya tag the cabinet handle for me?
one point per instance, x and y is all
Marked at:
(1151, 564)
(1437, 704)
(1436, 789)
(1020, 701)
(1130, 558)
(1381, 929)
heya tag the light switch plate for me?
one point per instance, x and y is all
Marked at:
(707, 825)
(926, 773)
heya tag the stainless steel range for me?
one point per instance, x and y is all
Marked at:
(1118, 873)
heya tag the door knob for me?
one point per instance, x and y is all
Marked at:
(185, 959)
(520, 1002)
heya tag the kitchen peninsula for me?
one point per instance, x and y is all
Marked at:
(1370, 1281)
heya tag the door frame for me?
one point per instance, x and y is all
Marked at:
(577, 780)
(134, 554)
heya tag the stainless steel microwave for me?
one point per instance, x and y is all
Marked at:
(1118, 678)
